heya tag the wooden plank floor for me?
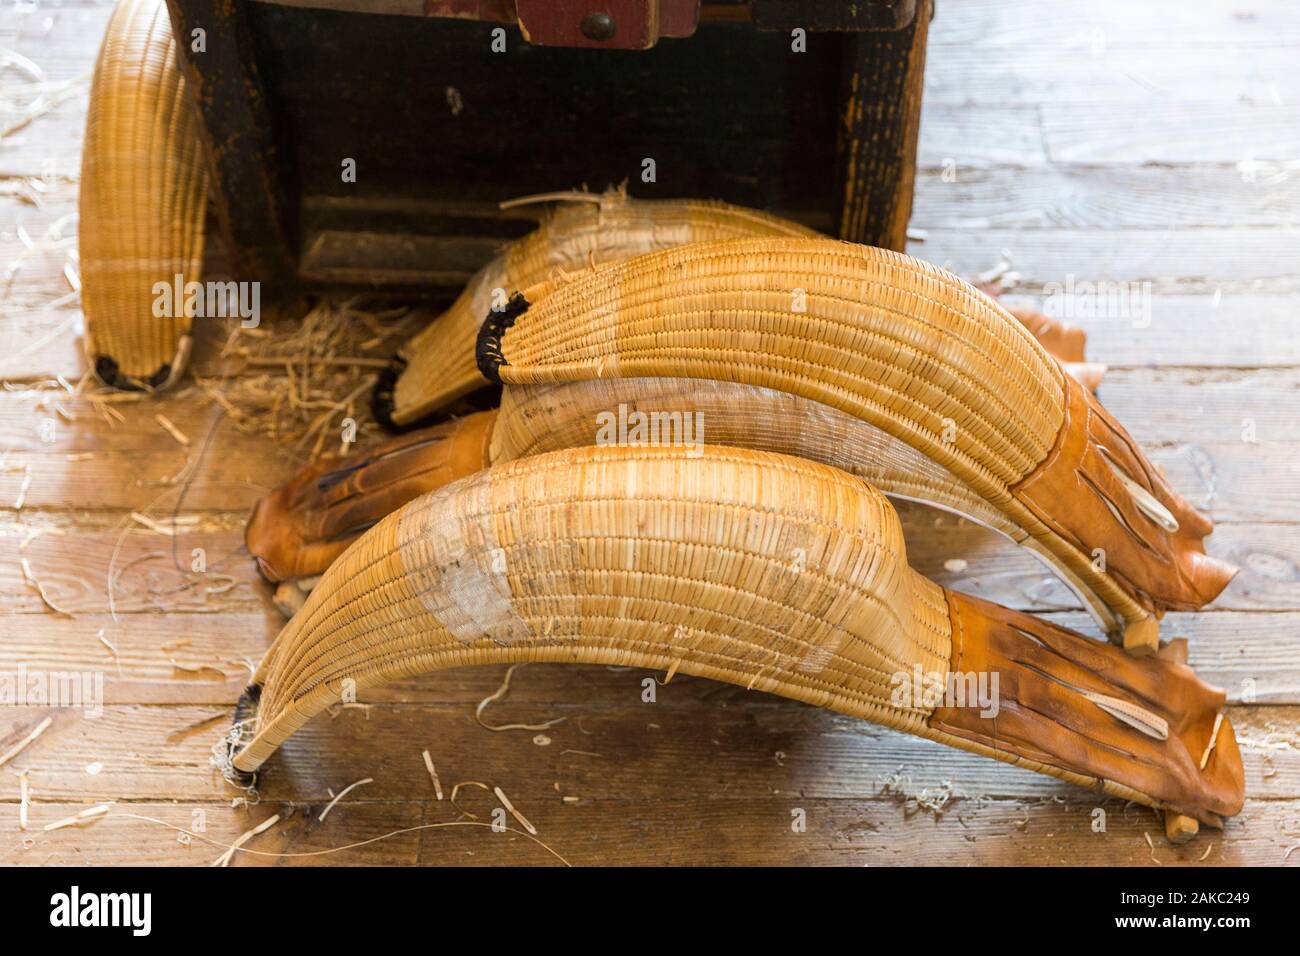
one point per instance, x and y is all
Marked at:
(1111, 141)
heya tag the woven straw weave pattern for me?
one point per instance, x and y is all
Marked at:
(884, 337)
(542, 418)
(757, 569)
(441, 365)
(539, 418)
(143, 189)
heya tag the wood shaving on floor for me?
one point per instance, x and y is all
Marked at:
(343, 793)
(87, 816)
(510, 808)
(170, 428)
(199, 669)
(26, 742)
(24, 799)
(30, 577)
(433, 775)
(498, 695)
(224, 859)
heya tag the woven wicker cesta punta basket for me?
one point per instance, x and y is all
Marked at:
(438, 365)
(143, 194)
(905, 347)
(762, 570)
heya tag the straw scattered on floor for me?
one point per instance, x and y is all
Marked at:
(303, 381)
(171, 429)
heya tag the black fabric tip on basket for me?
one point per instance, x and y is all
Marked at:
(108, 372)
(381, 399)
(245, 709)
(488, 349)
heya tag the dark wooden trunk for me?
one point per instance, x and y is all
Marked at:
(441, 129)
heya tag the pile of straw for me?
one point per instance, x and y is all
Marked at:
(306, 381)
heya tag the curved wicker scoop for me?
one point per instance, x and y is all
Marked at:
(904, 346)
(766, 571)
(438, 365)
(143, 190)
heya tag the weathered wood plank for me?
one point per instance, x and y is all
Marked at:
(1236, 329)
(730, 756)
(147, 481)
(1235, 481)
(52, 142)
(988, 136)
(1160, 406)
(1106, 197)
(1169, 132)
(124, 839)
(141, 666)
(1104, 69)
(80, 429)
(699, 738)
(1009, 27)
(37, 243)
(152, 572)
(62, 40)
(1173, 132)
(1229, 258)
(42, 345)
(727, 830)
